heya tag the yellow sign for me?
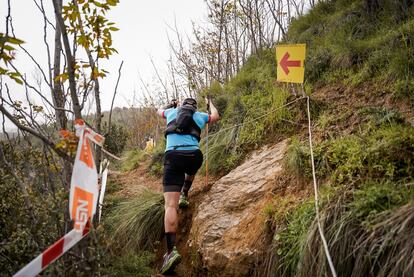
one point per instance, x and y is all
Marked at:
(290, 63)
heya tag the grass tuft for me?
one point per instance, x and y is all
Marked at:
(138, 223)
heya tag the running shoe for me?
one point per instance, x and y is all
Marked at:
(170, 261)
(183, 202)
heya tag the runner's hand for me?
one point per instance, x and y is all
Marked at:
(172, 104)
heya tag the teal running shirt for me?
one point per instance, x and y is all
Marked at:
(201, 119)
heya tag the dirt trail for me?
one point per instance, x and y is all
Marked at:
(135, 181)
(223, 232)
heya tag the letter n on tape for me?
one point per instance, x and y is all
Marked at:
(82, 207)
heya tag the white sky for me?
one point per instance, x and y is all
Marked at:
(143, 26)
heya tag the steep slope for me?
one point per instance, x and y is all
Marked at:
(259, 219)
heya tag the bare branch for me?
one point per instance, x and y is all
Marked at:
(159, 79)
(113, 98)
(42, 10)
(33, 132)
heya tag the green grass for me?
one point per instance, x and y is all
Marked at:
(156, 165)
(130, 265)
(296, 157)
(376, 152)
(348, 45)
(120, 253)
(360, 225)
(292, 238)
(138, 223)
(133, 158)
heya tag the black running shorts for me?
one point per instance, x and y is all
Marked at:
(177, 163)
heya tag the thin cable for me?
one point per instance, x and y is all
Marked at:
(252, 120)
(325, 244)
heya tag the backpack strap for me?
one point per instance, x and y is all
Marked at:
(193, 129)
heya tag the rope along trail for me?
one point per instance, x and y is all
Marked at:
(315, 186)
(252, 120)
(318, 219)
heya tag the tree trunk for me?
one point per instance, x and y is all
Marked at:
(221, 23)
(236, 37)
(70, 59)
(258, 23)
(57, 93)
(97, 93)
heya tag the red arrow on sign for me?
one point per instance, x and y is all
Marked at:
(285, 63)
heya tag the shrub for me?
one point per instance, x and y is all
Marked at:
(21, 236)
(385, 152)
(373, 198)
(133, 158)
(156, 164)
(317, 64)
(129, 265)
(115, 141)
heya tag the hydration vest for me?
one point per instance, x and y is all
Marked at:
(184, 123)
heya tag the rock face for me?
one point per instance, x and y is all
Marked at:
(227, 230)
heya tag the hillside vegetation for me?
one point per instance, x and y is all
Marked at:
(360, 77)
(360, 80)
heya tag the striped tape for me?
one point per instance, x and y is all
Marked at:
(52, 253)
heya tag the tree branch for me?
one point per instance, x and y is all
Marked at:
(34, 133)
(113, 98)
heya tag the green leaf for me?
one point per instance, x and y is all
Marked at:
(15, 40)
(17, 80)
(112, 2)
(15, 74)
(9, 48)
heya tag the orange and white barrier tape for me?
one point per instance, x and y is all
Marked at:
(82, 202)
(52, 253)
(104, 175)
(84, 189)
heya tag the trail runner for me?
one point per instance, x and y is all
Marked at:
(182, 159)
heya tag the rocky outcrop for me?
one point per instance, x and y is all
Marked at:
(229, 224)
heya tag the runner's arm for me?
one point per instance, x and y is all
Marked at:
(172, 104)
(160, 112)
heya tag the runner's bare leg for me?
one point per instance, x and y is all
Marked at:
(171, 216)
